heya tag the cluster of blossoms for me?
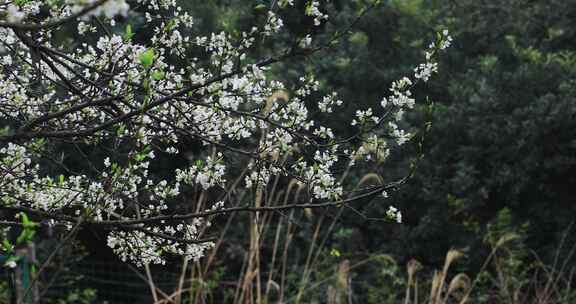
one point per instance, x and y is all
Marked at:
(328, 102)
(319, 176)
(374, 148)
(425, 70)
(363, 117)
(312, 9)
(133, 102)
(16, 13)
(22, 185)
(19, 10)
(108, 9)
(394, 214)
(207, 175)
(273, 25)
(151, 248)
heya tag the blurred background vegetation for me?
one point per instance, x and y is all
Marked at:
(491, 205)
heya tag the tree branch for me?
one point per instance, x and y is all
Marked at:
(52, 24)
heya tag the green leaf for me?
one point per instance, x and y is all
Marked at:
(308, 8)
(359, 38)
(140, 157)
(39, 143)
(5, 130)
(199, 164)
(146, 149)
(21, 238)
(120, 129)
(146, 84)
(128, 34)
(158, 75)
(260, 7)
(25, 219)
(6, 245)
(170, 25)
(335, 252)
(147, 58)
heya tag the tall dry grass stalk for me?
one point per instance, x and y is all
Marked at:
(252, 285)
(458, 289)
(442, 288)
(550, 284)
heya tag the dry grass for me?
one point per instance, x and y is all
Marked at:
(267, 272)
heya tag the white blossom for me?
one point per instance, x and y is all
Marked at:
(305, 42)
(273, 25)
(14, 13)
(109, 9)
(312, 9)
(394, 214)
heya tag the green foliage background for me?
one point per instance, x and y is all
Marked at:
(501, 154)
(502, 150)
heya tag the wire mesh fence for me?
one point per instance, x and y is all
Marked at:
(116, 282)
(106, 281)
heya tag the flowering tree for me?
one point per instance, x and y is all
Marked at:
(140, 102)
